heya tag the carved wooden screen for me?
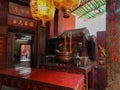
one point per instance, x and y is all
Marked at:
(10, 50)
(2, 51)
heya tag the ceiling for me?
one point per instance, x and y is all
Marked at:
(25, 1)
(89, 8)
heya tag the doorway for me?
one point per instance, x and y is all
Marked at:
(20, 49)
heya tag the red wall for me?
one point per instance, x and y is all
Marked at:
(101, 39)
(60, 24)
(65, 23)
(101, 74)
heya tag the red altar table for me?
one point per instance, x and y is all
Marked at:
(40, 79)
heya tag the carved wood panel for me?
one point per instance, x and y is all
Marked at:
(2, 51)
(27, 84)
(19, 10)
(10, 49)
(3, 12)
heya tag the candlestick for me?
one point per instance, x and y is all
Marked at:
(70, 42)
(65, 42)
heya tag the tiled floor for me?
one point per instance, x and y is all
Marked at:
(23, 64)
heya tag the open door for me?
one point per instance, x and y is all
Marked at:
(20, 50)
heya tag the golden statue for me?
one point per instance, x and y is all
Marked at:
(102, 51)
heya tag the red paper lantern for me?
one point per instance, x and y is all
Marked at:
(66, 6)
(42, 10)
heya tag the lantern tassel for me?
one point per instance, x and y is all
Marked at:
(43, 23)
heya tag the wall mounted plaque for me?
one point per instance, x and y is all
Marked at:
(22, 22)
(19, 10)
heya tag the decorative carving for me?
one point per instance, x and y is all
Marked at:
(1, 45)
(102, 51)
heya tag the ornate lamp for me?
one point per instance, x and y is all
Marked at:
(42, 10)
(66, 6)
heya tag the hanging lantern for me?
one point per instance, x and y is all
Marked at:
(42, 10)
(66, 6)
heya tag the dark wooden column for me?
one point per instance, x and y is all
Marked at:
(3, 32)
(56, 23)
(41, 44)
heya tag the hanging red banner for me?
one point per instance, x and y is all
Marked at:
(112, 31)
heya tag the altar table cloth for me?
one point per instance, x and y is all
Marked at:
(69, 81)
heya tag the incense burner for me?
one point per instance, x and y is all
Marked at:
(64, 56)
